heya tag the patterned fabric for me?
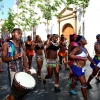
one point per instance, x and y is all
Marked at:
(52, 63)
(77, 71)
(39, 57)
(15, 65)
(96, 59)
(78, 65)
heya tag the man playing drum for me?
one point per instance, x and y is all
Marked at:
(13, 53)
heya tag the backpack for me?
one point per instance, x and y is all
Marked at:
(11, 49)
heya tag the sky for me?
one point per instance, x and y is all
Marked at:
(7, 4)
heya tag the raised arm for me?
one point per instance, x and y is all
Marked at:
(48, 43)
(75, 51)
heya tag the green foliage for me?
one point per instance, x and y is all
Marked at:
(27, 18)
(49, 8)
(9, 24)
(81, 3)
(1, 4)
(22, 0)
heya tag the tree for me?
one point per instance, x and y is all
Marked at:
(9, 23)
(27, 17)
(49, 9)
(79, 3)
(1, 7)
(83, 4)
(1, 4)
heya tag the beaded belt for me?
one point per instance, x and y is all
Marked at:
(96, 57)
(78, 65)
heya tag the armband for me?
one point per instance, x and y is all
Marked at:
(79, 57)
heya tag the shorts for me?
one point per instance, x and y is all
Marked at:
(30, 52)
(62, 54)
(52, 63)
(95, 59)
(40, 57)
(77, 71)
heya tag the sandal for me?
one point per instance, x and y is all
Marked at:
(73, 92)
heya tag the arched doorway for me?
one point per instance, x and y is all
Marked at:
(67, 30)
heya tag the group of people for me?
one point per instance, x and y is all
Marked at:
(19, 56)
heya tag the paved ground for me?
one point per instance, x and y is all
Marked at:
(42, 92)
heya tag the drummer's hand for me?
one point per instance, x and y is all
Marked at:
(16, 56)
(26, 69)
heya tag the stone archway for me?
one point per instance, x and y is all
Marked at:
(67, 30)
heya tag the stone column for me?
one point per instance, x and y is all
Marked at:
(59, 27)
(75, 18)
(34, 32)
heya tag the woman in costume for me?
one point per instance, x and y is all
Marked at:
(39, 55)
(62, 52)
(80, 56)
(52, 61)
(29, 50)
(71, 46)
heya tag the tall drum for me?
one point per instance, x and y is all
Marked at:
(22, 84)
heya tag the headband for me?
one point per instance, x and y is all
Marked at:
(80, 39)
(74, 36)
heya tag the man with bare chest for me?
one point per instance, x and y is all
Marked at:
(14, 54)
(96, 59)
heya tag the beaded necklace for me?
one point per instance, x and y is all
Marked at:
(54, 43)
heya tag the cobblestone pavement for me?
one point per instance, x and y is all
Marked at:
(41, 92)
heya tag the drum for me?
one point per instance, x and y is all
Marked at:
(22, 84)
(32, 71)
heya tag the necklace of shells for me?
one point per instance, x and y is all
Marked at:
(40, 44)
(54, 43)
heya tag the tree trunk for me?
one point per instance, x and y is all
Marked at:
(47, 26)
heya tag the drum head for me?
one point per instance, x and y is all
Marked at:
(25, 79)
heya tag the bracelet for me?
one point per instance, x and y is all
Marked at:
(79, 57)
(94, 64)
